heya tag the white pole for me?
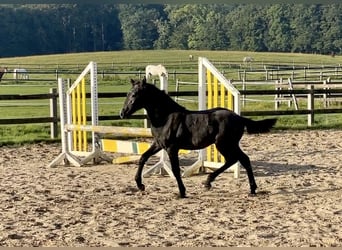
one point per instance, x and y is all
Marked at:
(201, 95)
(94, 101)
(62, 108)
(163, 83)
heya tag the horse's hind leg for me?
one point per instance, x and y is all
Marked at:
(232, 155)
(228, 152)
(154, 148)
(246, 163)
(211, 177)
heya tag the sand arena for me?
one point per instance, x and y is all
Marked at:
(299, 202)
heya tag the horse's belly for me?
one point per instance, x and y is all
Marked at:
(200, 133)
(197, 141)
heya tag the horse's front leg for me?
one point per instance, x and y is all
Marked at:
(154, 148)
(173, 156)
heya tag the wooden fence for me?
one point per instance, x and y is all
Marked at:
(257, 70)
(295, 73)
(310, 94)
(50, 76)
(53, 119)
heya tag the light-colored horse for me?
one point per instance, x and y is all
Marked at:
(20, 74)
(248, 59)
(3, 70)
(155, 70)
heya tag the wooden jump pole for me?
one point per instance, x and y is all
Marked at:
(115, 130)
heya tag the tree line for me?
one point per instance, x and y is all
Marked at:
(63, 28)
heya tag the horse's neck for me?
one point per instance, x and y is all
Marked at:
(160, 108)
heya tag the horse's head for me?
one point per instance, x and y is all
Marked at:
(135, 98)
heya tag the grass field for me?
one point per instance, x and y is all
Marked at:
(43, 76)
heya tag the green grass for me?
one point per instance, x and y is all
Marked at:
(165, 56)
(42, 77)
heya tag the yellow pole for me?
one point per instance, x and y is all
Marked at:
(210, 90)
(84, 114)
(215, 92)
(223, 95)
(230, 101)
(215, 96)
(74, 121)
(209, 105)
(222, 104)
(79, 118)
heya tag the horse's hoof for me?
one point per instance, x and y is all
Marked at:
(141, 187)
(253, 194)
(207, 185)
(182, 196)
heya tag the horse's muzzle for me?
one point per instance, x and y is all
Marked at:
(122, 114)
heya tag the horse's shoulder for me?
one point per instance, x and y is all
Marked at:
(176, 117)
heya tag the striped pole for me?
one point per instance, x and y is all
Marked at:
(220, 93)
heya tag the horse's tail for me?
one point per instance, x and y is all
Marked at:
(262, 126)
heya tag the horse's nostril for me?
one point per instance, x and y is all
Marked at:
(123, 113)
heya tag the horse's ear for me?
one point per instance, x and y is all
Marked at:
(144, 80)
(133, 82)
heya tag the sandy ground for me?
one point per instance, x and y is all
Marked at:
(299, 201)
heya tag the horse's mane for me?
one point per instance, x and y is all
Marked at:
(162, 98)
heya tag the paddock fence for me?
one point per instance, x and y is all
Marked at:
(310, 94)
(257, 70)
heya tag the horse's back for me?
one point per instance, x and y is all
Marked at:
(155, 70)
(20, 73)
(202, 128)
(227, 123)
(247, 59)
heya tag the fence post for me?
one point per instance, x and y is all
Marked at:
(304, 73)
(311, 105)
(177, 90)
(277, 96)
(53, 113)
(244, 87)
(266, 74)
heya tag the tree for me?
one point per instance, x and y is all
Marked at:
(209, 29)
(306, 30)
(58, 28)
(248, 28)
(139, 26)
(180, 25)
(164, 33)
(331, 29)
(279, 34)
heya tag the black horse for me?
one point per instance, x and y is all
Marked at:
(174, 127)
